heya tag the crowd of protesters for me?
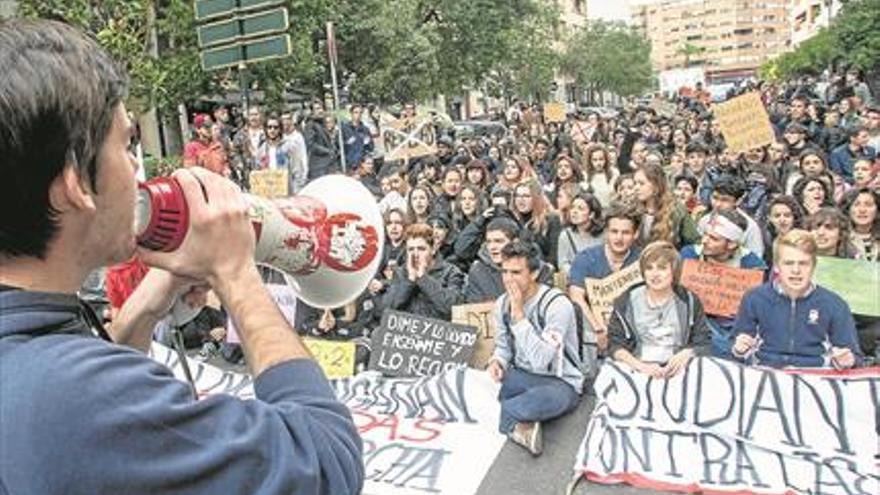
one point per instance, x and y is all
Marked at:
(649, 184)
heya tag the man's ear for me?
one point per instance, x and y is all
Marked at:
(68, 191)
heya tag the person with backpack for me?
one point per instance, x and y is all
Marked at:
(537, 357)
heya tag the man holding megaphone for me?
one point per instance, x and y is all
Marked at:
(83, 415)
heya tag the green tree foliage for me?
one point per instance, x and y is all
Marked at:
(853, 39)
(530, 63)
(606, 56)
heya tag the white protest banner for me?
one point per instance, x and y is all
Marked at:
(744, 122)
(284, 296)
(720, 427)
(433, 435)
(409, 138)
(601, 293)
(425, 435)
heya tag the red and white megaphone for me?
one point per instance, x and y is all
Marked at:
(329, 238)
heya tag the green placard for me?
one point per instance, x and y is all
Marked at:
(246, 52)
(243, 27)
(856, 281)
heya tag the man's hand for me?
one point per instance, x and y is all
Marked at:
(842, 358)
(327, 321)
(678, 362)
(496, 372)
(602, 339)
(743, 344)
(375, 286)
(651, 369)
(515, 296)
(218, 334)
(412, 267)
(217, 217)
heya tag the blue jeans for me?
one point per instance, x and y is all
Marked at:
(528, 397)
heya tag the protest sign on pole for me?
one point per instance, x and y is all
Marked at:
(480, 316)
(856, 281)
(269, 183)
(601, 293)
(721, 427)
(744, 122)
(405, 139)
(434, 435)
(405, 344)
(554, 112)
(720, 288)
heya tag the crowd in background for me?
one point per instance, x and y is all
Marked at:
(589, 193)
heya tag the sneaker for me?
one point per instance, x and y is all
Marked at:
(208, 350)
(528, 435)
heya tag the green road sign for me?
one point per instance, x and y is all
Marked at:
(243, 27)
(246, 52)
(213, 9)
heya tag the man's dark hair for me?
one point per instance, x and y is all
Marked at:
(58, 96)
(690, 179)
(854, 131)
(508, 227)
(623, 211)
(730, 185)
(523, 249)
(734, 216)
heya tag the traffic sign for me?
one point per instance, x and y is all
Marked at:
(213, 9)
(243, 27)
(246, 52)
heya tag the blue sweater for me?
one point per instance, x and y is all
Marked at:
(83, 416)
(796, 332)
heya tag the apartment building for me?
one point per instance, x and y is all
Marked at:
(809, 16)
(729, 39)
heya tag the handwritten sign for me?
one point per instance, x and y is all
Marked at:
(720, 288)
(856, 281)
(721, 427)
(335, 357)
(269, 183)
(409, 138)
(554, 112)
(405, 344)
(480, 316)
(744, 122)
(602, 293)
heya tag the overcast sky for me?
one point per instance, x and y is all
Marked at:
(614, 10)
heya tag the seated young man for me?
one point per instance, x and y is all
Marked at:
(425, 286)
(484, 281)
(791, 321)
(727, 194)
(658, 325)
(597, 262)
(536, 349)
(722, 243)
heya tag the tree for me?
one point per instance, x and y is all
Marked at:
(688, 50)
(604, 56)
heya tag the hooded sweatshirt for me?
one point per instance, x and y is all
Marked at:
(84, 416)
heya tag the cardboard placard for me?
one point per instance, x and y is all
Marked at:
(405, 139)
(405, 344)
(269, 183)
(601, 293)
(478, 315)
(744, 122)
(720, 288)
(856, 281)
(335, 357)
(554, 112)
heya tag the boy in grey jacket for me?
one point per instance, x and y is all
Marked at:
(536, 356)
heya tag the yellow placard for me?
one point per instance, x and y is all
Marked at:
(478, 315)
(601, 293)
(554, 112)
(744, 122)
(336, 358)
(269, 183)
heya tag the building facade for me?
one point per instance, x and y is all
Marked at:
(809, 16)
(729, 39)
